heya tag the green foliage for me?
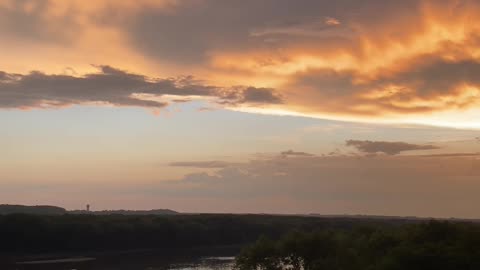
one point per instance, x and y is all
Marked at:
(431, 245)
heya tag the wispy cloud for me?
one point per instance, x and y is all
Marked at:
(393, 184)
(202, 164)
(296, 153)
(389, 148)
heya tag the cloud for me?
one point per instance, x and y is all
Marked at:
(201, 164)
(392, 66)
(260, 95)
(116, 87)
(29, 20)
(385, 184)
(453, 155)
(50, 20)
(331, 21)
(389, 148)
(295, 153)
(385, 61)
(240, 95)
(426, 85)
(198, 34)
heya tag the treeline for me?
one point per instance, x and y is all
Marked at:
(25, 234)
(126, 212)
(6, 209)
(434, 245)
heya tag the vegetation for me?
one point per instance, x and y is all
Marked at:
(126, 212)
(6, 209)
(432, 245)
(37, 209)
(26, 234)
(271, 242)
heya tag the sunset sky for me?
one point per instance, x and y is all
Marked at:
(243, 106)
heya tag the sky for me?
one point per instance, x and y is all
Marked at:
(274, 106)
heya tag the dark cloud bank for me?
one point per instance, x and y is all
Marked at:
(116, 87)
(389, 148)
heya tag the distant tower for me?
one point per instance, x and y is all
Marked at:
(88, 207)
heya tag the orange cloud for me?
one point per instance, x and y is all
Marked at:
(390, 61)
(398, 69)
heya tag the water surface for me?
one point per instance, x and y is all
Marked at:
(152, 261)
(205, 263)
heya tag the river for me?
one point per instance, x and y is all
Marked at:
(142, 261)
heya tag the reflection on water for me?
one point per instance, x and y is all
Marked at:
(207, 263)
(129, 262)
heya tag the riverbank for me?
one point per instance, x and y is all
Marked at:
(132, 257)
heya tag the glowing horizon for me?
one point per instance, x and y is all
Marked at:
(197, 105)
